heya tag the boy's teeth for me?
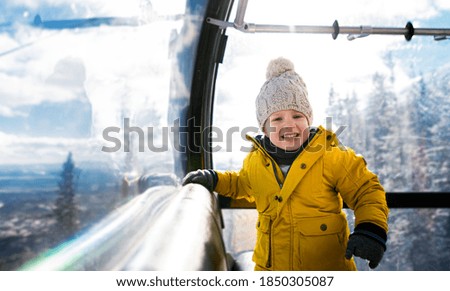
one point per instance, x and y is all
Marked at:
(290, 135)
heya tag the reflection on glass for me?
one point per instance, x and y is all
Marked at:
(89, 91)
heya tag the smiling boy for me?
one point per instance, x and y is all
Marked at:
(299, 176)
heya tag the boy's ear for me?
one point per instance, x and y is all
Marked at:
(265, 127)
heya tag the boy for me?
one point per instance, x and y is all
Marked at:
(299, 177)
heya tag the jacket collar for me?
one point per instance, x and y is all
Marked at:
(322, 140)
(259, 142)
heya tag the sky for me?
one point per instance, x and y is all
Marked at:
(125, 71)
(122, 72)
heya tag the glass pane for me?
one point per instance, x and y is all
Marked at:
(385, 97)
(85, 104)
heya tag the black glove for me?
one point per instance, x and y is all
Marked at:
(367, 244)
(206, 178)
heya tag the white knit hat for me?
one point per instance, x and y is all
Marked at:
(283, 90)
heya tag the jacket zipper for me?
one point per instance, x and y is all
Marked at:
(276, 175)
(280, 184)
(269, 259)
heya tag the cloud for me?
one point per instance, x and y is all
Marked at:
(68, 72)
(16, 149)
(66, 9)
(347, 11)
(8, 112)
(443, 4)
(29, 91)
(123, 71)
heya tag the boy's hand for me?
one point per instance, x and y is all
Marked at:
(365, 247)
(206, 178)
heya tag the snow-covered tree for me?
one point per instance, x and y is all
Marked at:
(65, 207)
(354, 132)
(347, 120)
(383, 146)
(427, 109)
(420, 123)
(439, 134)
(405, 142)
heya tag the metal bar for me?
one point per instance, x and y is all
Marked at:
(408, 31)
(432, 31)
(240, 14)
(253, 28)
(270, 28)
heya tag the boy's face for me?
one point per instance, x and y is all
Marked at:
(287, 129)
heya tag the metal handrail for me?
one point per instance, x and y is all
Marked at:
(165, 228)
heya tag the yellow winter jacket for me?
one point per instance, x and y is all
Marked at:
(301, 225)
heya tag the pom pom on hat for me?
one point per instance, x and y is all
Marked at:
(278, 66)
(284, 89)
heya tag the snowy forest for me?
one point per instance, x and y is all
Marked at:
(404, 138)
(44, 205)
